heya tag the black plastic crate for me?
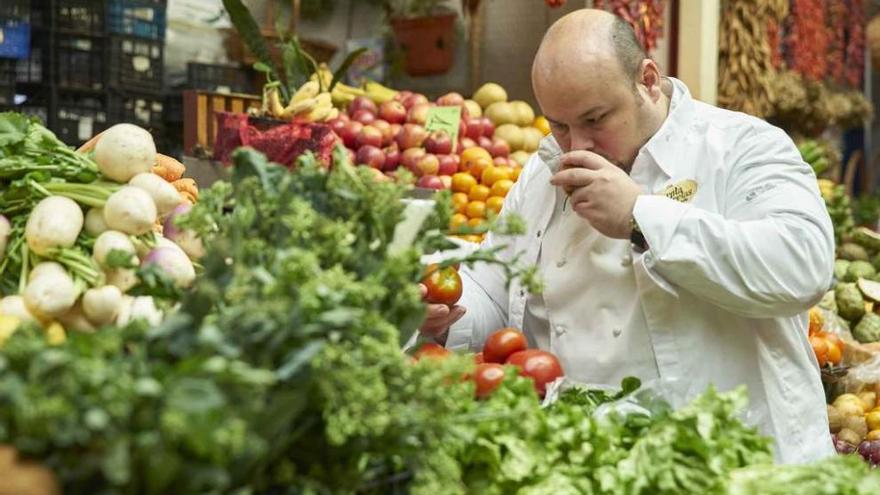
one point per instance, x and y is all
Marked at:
(35, 68)
(15, 9)
(142, 18)
(212, 77)
(7, 82)
(35, 104)
(135, 64)
(77, 118)
(143, 109)
(84, 17)
(79, 62)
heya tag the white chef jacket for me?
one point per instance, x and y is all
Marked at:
(594, 300)
(726, 280)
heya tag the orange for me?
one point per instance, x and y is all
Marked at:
(471, 154)
(476, 209)
(501, 188)
(820, 348)
(457, 221)
(459, 201)
(475, 223)
(493, 174)
(479, 193)
(463, 182)
(476, 238)
(514, 175)
(816, 320)
(542, 124)
(476, 167)
(834, 353)
(494, 204)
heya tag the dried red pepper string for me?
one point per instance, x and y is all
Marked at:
(855, 48)
(646, 18)
(807, 39)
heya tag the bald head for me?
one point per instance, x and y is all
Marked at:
(588, 38)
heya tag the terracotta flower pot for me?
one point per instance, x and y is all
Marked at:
(427, 42)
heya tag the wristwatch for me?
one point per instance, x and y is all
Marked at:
(636, 237)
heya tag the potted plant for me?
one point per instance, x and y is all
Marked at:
(424, 30)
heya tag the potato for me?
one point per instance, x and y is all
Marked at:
(856, 424)
(869, 399)
(873, 435)
(850, 405)
(849, 436)
(835, 419)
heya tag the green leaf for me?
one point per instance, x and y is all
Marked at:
(13, 128)
(343, 68)
(249, 31)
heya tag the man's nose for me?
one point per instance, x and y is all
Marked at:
(581, 141)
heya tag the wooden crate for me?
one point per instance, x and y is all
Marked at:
(199, 122)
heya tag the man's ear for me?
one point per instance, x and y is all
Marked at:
(650, 78)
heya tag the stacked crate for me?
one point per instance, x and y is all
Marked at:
(15, 29)
(93, 63)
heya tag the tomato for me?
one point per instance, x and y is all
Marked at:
(444, 285)
(502, 343)
(488, 377)
(541, 366)
(432, 351)
(478, 358)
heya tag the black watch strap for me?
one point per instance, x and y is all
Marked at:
(638, 240)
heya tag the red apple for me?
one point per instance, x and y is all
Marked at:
(338, 125)
(488, 127)
(501, 161)
(430, 182)
(413, 99)
(364, 117)
(385, 128)
(402, 95)
(393, 111)
(474, 128)
(369, 135)
(392, 157)
(466, 143)
(484, 143)
(439, 143)
(350, 133)
(418, 114)
(371, 156)
(446, 180)
(410, 157)
(411, 136)
(448, 164)
(499, 147)
(452, 99)
(427, 164)
(395, 130)
(362, 103)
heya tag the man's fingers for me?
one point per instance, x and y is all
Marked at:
(573, 177)
(437, 311)
(423, 289)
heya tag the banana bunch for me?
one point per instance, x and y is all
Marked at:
(308, 104)
(815, 154)
(344, 94)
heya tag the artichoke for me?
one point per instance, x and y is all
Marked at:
(850, 303)
(868, 329)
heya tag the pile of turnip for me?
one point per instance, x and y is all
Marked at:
(72, 252)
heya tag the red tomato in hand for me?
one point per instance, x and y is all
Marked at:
(502, 343)
(444, 285)
(431, 350)
(488, 377)
(541, 366)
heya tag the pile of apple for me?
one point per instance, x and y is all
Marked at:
(392, 134)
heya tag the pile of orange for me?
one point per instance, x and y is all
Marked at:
(478, 190)
(827, 346)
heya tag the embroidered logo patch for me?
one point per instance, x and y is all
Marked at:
(683, 191)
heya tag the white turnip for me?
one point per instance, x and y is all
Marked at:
(101, 304)
(130, 210)
(138, 308)
(174, 263)
(95, 224)
(109, 241)
(55, 222)
(14, 306)
(50, 293)
(164, 195)
(5, 227)
(124, 151)
(185, 238)
(123, 278)
(75, 319)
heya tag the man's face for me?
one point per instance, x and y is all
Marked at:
(602, 112)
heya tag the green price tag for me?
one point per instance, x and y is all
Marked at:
(445, 119)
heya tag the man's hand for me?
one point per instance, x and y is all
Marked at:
(600, 191)
(440, 317)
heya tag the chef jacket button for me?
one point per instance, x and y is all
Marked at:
(616, 332)
(522, 293)
(560, 330)
(539, 234)
(626, 261)
(560, 263)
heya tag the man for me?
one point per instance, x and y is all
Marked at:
(676, 240)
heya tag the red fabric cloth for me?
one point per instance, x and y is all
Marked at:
(282, 142)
